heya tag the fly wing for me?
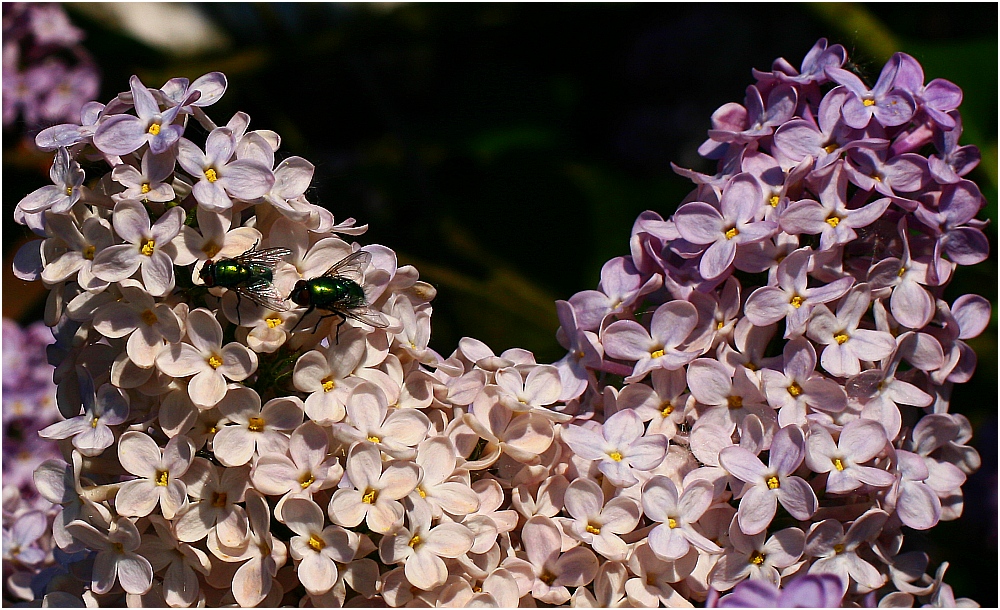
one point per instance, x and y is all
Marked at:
(268, 257)
(367, 315)
(351, 266)
(263, 293)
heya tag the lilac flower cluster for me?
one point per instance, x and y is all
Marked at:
(711, 424)
(47, 74)
(29, 405)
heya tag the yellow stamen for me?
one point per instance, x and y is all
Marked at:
(148, 246)
(876, 178)
(94, 422)
(756, 558)
(833, 221)
(255, 424)
(423, 494)
(616, 456)
(316, 543)
(750, 366)
(328, 385)
(902, 271)
(88, 252)
(841, 338)
(374, 439)
(69, 191)
(720, 325)
(211, 174)
(657, 354)
(214, 361)
(414, 541)
(273, 322)
(154, 129)
(869, 102)
(307, 480)
(162, 478)
(593, 530)
(118, 547)
(671, 522)
(773, 483)
(667, 410)
(731, 233)
(830, 148)
(370, 496)
(735, 402)
(838, 548)
(144, 188)
(211, 249)
(148, 317)
(797, 301)
(547, 577)
(838, 463)
(219, 499)
(212, 429)
(774, 201)
(795, 389)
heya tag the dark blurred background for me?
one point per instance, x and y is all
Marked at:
(505, 149)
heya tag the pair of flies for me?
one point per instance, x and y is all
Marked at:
(339, 291)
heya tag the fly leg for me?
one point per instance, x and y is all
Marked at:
(308, 311)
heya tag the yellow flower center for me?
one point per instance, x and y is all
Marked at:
(773, 483)
(414, 542)
(162, 478)
(869, 102)
(731, 233)
(211, 249)
(547, 577)
(273, 322)
(671, 522)
(838, 463)
(750, 366)
(69, 191)
(774, 201)
(657, 354)
(144, 188)
(328, 385)
(148, 317)
(830, 148)
(735, 402)
(316, 543)
(616, 456)
(154, 129)
(148, 246)
(307, 480)
(88, 252)
(593, 529)
(833, 221)
(211, 428)
(118, 547)
(255, 424)
(94, 422)
(667, 409)
(374, 439)
(838, 548)
(211, 175)
(841, 338)
(797, 301)
(795, 389)
(902, 271)
(219, 499)
(370, 496)
(420, 490)
(756, 558)
(214, 361)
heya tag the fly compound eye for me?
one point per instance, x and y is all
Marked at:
(206, 274)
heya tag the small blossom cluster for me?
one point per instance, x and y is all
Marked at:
(252, 414)
(29, 405)
(47, 74)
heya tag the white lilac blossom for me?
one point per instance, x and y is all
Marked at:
(232, 456)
